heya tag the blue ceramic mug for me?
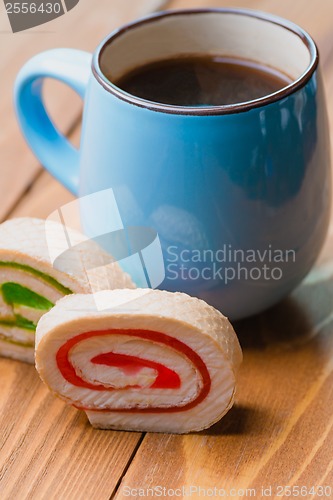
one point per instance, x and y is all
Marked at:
(239, 194)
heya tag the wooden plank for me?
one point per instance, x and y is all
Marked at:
(286, 344)
(48, 450)
(44, 196)
(280, 429)
(82, 28)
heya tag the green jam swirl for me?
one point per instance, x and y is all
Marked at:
(15, 294)
(45, 277)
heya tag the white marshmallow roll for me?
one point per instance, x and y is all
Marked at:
(30, 285)
(153, 361)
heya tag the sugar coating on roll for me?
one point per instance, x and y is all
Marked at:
(30, 285)
(153, 361)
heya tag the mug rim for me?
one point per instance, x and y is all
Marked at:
(208, 110)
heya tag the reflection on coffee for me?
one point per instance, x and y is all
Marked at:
(202, 81)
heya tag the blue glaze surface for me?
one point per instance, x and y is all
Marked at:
(254, 180)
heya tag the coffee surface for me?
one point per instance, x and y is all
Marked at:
(202, 81)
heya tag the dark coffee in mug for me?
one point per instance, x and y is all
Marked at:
(206, 80)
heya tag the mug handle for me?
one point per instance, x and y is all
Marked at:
(52, 149)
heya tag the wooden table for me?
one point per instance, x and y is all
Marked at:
(280, 429)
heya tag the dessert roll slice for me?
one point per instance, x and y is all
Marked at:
(30, 285)
(153, 361)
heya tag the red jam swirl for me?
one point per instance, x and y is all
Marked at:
(166, 378)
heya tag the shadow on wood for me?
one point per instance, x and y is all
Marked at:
(240, 420)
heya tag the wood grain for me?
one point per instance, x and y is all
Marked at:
(48, 450)
(280, 429)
